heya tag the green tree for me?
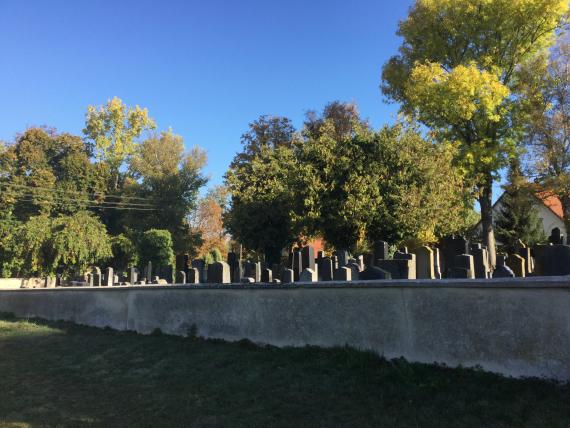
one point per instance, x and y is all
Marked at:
(156, 247)
(112, 129)
(390, 184)
(125, 252)
(548, 133)
(167, 178)
(458, 73)
(262, 183)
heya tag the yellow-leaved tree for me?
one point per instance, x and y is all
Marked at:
(458, 72)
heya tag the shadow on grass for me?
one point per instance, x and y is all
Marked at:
(61, 374)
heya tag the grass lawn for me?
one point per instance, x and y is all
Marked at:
(59, 374)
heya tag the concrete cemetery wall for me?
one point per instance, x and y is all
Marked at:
(511, 326)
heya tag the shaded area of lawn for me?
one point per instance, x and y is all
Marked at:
(60, 374)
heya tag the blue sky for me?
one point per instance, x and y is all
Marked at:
(204, 68)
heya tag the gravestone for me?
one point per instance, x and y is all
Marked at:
(556, 237)
(551, 260)
(193, 276)
(326, 269)
(502, 270)
(398, 268)
(233, 262)
(182, 261)
(276, 281)
(320, 254)
(148, 272)
(308, 257)
(181, 277)
(360, 261)
(297, 263)
(381, 251)
(464, 266)
(200, 264)
(517, 265)
(343, 273)
(526, 254)
(449, 248)
(253, 270)
(276, 270)
(219, 273)
(115, 279)
(266, 275)
(96, 277)
(481, 262)
(342, 256)
(109, 277)
(288, 276)
(50, 282)
(247, 280)
(424, 263)
(355, 269)
(133, 275)
(308, 275)
(238, 273)
(374, 272)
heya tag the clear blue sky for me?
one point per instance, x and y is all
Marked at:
(204, 68)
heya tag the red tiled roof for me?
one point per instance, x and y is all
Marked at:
(551, 202)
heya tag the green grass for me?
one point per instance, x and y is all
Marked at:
(60, 374)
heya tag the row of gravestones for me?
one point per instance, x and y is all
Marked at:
(454, 258)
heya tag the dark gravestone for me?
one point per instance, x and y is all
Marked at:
(238, 273)
(381, 250)
(200, 264)
(464, 266)
(182, 262)
(109, 277)
(398, 268)
(266, 275)
(297, 263)
(502, 270)
(556, 237)
(424, 263)
(276, 270)
(343, 273)
(288, 276)
(526, 254)
(342, 256)
(551, 260)
(219, 273)
(253, 270)
(374, 272)
(367, 260)
(355, 268)
(326, 269)
(308, 275)
(480, 262)
(148, 272)
(193, 276)
(308, 257)
(516, 263)
(449, 248)
(181, 277)
(233, 261)
(96, 277)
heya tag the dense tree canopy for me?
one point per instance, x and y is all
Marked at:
(458, 72)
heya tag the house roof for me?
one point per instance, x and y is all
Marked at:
(552, 202)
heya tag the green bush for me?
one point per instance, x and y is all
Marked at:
(156, 247)
(125, 252)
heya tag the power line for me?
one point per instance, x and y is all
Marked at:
(29, 186)
(104, 207)
(88, 201)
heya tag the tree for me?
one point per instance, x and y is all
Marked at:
(518, 219)
(125, 252)
(46, 173)
(344, 117)
(156, 247)
(458, 73)
(390, 184)
(112, 130)
(169, 180)
(207, 221)
(261, 180)
(548, 133)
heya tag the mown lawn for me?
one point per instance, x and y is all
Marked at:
(59, 374)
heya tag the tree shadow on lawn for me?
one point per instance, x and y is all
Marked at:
(61, 374)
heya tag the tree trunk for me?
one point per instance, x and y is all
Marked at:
(488, 231)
